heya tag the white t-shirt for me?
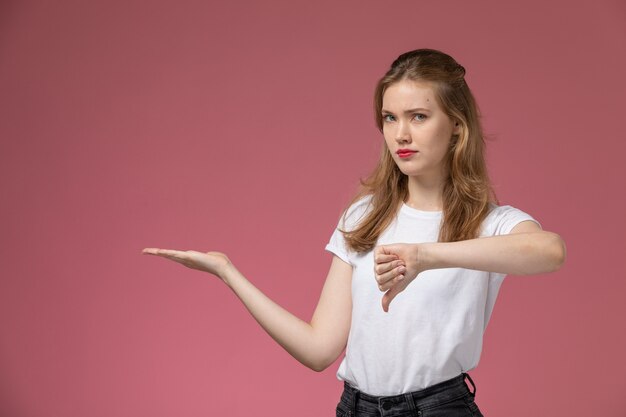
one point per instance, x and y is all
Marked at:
(434, 328)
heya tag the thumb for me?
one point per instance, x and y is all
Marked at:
(388, 297)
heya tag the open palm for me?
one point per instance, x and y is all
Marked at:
(212, 262)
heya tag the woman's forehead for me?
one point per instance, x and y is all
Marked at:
(410, 94)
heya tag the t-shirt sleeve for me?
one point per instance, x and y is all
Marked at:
(500, 221)
(337, 243)
(504, 218)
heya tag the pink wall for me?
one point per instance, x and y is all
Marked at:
(233, 127)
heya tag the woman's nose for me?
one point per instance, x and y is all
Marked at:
(403, 135)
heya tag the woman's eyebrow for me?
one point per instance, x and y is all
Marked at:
(407, 111)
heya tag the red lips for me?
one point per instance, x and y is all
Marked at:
(403, 153)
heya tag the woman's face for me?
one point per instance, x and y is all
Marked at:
(416, 129)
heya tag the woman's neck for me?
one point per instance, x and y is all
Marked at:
(425, 193)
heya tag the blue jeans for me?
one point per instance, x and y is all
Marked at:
(451, 398)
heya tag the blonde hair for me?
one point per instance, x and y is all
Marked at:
(467, 191)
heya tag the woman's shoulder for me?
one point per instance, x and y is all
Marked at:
(502, 218)
(361, 203)
(356, 210)
(496, 210)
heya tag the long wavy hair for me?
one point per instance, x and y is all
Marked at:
(467, 191)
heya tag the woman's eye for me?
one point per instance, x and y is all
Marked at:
(420, 117)
(387, 118)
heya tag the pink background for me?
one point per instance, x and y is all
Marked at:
(244, 127)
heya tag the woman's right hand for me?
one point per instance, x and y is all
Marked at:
(215, 263)
(316, 344)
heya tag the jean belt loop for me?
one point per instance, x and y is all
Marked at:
(354, 399)
(409, 399)
(466, 376)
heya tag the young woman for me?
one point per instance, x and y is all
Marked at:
(424, 232)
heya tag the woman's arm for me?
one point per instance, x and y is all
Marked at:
(316, 344)
(526, 250)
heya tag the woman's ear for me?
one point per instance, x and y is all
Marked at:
(457, 128)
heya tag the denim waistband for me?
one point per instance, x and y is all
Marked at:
(426, 398)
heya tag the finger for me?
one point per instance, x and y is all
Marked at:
(388, 276)
(170, 252)
(381, 258)
(175, 255)
(386, 267)
(155, 251)
(391, 283)
(382, 250)
(390, 249)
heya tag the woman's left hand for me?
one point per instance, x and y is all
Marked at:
(395, 266)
